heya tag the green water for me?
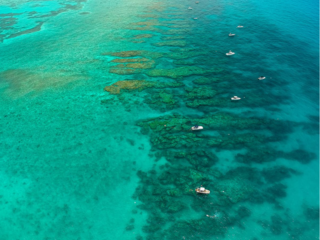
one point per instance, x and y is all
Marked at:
(80, 162)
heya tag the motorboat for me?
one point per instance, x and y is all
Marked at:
(235, 98)
(240, 26)
(261, 77)
(190, 8)
(196, 128)
(195, 18)
(202, 190)
(230, 53)
(231, 34)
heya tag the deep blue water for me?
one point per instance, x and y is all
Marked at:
(78, 162)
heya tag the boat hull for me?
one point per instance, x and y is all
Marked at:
(203, 192)
(196, 129)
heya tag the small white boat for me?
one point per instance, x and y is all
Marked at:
(230, 53)
(261, 78)
(190, 8)
(202, 190)
(195, 18)
(196, 128)
(240, 26)
(235, 98)
(231, 34)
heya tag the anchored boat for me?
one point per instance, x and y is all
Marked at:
(202, 190)
(196, 127)
(230, 53)
(235, 98)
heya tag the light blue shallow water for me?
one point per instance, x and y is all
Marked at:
(80, 163)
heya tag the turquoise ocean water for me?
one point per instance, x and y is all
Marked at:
(97, 99)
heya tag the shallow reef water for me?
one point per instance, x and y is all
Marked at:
(97, 101)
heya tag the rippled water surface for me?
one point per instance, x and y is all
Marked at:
(97, 101)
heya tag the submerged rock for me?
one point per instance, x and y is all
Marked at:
(200, 92)
(300, 155)
(258, 155)
(236, 141)
(179, 72)
(177, 43)
(173, 38)
(206, 81)
(277, 173)
(198, 159)
(236, 189)
(177, 55)
(166, 98)
(277, 191)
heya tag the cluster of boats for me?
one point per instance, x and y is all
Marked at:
(230, 53)
(201, 189)
(190, 8)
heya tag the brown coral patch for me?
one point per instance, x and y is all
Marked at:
(175, 31)
(128, 85)
(143, 36)
(124, 71)
(125, 60)
(180, 25)
(180, 43)
(148, 23)
(20, 82)
(145, 28)
(141, 41)
(124, 53)
(31, 30)
(173, 38)
(148, 16)
(140, 65)
(157, 6)
(153, 55)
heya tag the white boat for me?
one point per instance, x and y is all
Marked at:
(190, 8)
(261, 78)
(196, 128)
(230, 53)
(202, 190)
(231, 34)
(195, 18)
(240, 26)
(234, 98)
